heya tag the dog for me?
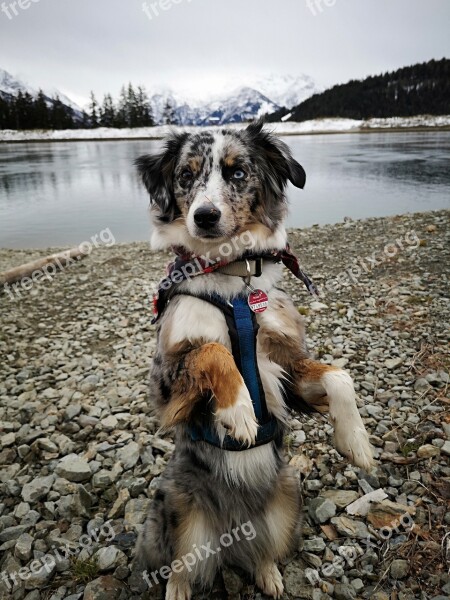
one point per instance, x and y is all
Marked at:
(211, 192)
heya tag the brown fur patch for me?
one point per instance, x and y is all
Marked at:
(208, 368)
(195, 163)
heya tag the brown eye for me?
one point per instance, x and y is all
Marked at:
(186, 175)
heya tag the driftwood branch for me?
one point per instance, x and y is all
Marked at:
(41, 265)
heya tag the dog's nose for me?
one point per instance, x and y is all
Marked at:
(206, 216)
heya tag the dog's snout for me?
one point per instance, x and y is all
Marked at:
(206, 216)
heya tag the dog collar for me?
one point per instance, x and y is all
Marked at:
(243, 268)
(187, 265)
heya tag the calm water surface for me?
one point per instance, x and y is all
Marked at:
(63, 193)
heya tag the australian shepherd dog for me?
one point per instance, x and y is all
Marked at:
(228, 396)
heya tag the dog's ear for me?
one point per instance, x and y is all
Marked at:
(156, 171)
(280, 162)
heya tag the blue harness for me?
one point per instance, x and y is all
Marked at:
(242, 328)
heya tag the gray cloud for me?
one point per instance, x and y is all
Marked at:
(99, 44)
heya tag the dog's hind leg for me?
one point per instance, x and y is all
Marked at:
(281, 528)
(269, 580)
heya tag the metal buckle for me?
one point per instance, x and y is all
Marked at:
(248, 277)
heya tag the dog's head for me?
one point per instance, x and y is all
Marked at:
(214, 185)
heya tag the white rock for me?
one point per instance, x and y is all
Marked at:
(109, 558)
(74, 468)
(317, 306)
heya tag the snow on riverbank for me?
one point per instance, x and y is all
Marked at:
(285, 128)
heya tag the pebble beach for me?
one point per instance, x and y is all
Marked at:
(80, 450)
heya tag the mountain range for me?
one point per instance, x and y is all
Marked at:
(243, 103)
(11, 86)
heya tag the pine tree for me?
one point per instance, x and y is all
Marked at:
(41, 112)
(121, 118)
(93, 111)
(132, 107)
(169, 116)
(145, 117)
(107, 112)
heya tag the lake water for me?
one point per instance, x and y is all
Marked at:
(63, 193)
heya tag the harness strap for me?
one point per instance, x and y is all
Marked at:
(242, 328)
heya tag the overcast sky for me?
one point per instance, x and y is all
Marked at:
(196, 45)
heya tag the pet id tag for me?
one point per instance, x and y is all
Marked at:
(258, 301)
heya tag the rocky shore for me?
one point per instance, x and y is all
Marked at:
(80, 451)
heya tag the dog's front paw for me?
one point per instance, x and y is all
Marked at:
(350, 436)
(352, 441)
(239, 418)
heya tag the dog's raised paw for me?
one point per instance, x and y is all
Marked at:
(353, 443)
(239, 418)
(270, 581)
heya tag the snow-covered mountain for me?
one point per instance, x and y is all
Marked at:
(243, 99)
(287, 90)
(11, 86)
(258, 96)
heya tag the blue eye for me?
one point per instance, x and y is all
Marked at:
(239, 174)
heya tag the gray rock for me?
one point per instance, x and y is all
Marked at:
(136, 511)
(295, 581)
(105, 588)
(41, 577)
(341, 498)
(37, 489)
(428, 451)
(315, 544)
(321, 509)
(350, 527)
(12, 533)
(110, 558)
(358, 584)
(343, 591)
(74, 468)
(312, 485)
(23, 547)
(399, 568)
(421, 384)
(102, 479)
(89, 383)
(393, 363)
(128, 455)
(445, 449)
(72, 411)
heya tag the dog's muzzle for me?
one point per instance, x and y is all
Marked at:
(207, 217)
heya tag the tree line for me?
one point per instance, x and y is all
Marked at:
(419, 89)
(132, 109)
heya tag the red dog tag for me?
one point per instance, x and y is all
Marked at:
(258, 301)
